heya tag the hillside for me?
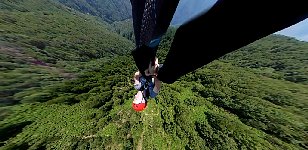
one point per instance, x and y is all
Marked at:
(124, 28)
(220, 106)
(108, 10)
(278, 57)
(65, 83)
(58, 32)
(36, 40)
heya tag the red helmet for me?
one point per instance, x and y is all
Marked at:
(139, 103)
(140, 106)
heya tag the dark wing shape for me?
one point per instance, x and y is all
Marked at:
(151, 19)
(165, 12)
(137, 12)
(142, 56)
(227, 26)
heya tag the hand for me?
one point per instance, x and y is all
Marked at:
(153, 69)
(147, 72)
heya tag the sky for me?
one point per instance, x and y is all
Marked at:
(188, 9)
(299, 31)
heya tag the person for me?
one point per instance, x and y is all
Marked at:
(151, 19)
(148, 86)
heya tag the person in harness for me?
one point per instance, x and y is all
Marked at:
(148, 86)
(151, 19)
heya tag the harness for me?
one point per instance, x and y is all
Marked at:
(145, 82)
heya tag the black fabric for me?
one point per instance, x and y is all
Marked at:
(137, 12)
(227, 26)
(151, 19)
(148, 22)
(143, 56)
(165, 12)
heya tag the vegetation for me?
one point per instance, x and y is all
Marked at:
(58, 32)
(22, 76)
(75, 101)
(124, 28)
(108, 10)
(209, 108)
(37, 41)
(277, 60)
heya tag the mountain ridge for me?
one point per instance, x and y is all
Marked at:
(108, 10)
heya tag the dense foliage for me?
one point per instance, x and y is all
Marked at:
(219, 106)
(281, 57)
(108, 10)
(124, 28)
(57, 32)
(37, 37)
(241, 101)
